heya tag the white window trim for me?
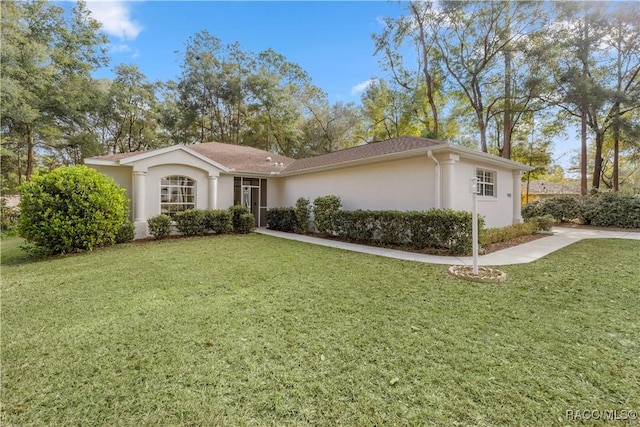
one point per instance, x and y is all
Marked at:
(194, 192)
(483, 184)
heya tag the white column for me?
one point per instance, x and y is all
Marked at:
(448, 180)
(139, 191)
(517, 197)
(213, 192)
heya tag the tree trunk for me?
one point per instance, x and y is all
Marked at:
(616, 156)
(597, 161)
(30, 149)
(506, 146)
(425, 69)
(483, 133)
(583, 154)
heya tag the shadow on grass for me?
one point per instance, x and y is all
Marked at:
(15, 251)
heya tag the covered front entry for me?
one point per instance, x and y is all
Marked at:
(252, 193)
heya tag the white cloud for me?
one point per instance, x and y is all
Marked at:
(115, 17)
(124, 48)
(361, 87)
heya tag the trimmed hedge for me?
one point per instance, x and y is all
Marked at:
(126, 233)
(433, 229)
(282, 219)
(324, 213)
(502, 234)
(159, 226)
(245, 224)
(71, 209)
(190, 222)
(236, 213)
(219, 221)
(303, 215)
(601, 209)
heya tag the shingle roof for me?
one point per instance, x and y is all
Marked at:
(238, 157)
(547, 187)
(374, 149)
(252, 160)
(243, 158)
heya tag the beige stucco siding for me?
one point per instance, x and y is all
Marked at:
(403, 185)
(154, 178)
(225, 191)
(497, 211)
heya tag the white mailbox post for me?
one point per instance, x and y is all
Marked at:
(473, 189)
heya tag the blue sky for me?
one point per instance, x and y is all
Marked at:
(331, 40)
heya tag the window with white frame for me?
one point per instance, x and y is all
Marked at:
(177, 194)
(486, 182)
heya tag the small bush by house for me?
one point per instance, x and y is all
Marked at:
(159, 226)
(237, 211)
(126, 233)
(303, 215)
(282, 219)
(245, 224)
(190, 222)
(219, 221)
(325, 209)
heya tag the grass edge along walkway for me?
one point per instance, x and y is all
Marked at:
(519, 254)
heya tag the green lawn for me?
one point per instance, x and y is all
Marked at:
(253, 330)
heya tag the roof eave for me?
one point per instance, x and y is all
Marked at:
(100, 162)
(358, 162)
(129, 161)
(483, 157)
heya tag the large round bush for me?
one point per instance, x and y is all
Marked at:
(71, 209)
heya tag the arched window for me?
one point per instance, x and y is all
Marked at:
(177, 193)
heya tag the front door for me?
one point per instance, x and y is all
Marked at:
(250, 199)
(252, 193)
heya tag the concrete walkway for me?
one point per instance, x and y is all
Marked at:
(521, 254)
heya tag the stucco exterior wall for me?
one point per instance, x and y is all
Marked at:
(155, 175)
(497, 211)
(225, 191)
(406, 184)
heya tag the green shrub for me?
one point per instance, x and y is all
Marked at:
(611, 210)
(561, 208)
(190, 222)
(236, 213)
(246, 224)
(126, 233)
(282, 219)
(159, 226)
(71, 209)
(542, 223)
(354, 225)
(303, 214)
(324, 212)
(433, 229)
(218, 220)
(601, 209)
(502, 234)
(442, 229)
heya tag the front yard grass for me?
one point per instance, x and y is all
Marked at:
(253, 330)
